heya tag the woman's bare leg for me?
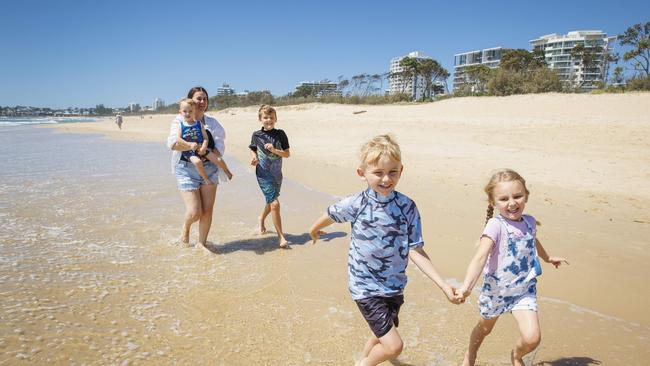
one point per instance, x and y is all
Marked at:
(208, 194)
(193, 212)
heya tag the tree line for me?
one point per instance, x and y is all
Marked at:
(522, 72)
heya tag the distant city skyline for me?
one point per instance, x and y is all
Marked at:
(81, 54)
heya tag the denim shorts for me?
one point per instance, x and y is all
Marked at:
(188, 178)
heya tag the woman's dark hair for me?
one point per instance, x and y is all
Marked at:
(196, 89)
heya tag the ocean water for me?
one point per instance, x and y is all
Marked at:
(91, 273)
(20, 121)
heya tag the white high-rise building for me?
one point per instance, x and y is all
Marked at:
(400, 84)
(158, 104)
(557, 51)
(225, 90)
(490, 57)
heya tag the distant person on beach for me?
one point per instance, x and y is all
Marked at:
(268, 147)
(508, 255)
(386, 232)
(118, 121)
(198, 195)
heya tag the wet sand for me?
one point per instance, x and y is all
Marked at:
(94, 275)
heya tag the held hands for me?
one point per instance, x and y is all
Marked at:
(202, 151)
(193, 146)
(557, 261)
(453, 295)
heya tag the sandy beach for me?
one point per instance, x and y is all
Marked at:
(586, 159)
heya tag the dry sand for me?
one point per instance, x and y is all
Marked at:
(587, 162)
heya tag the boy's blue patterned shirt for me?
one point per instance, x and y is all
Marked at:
(384, 229)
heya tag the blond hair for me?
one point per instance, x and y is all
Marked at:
(188, 101)
(378, 147)
(266, 109)
(498, 176)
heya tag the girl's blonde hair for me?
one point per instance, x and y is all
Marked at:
(501, 175)
(266, 109)
(378, 147)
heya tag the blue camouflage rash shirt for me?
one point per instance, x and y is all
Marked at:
(384, 229)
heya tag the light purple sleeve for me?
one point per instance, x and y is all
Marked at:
(493, 230)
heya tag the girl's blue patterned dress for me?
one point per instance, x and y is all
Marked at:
(515, 276)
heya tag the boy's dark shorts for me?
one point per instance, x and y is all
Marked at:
(381, 312)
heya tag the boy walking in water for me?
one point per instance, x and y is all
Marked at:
(386, 232)
(268, 147)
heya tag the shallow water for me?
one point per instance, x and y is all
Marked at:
(91, 273)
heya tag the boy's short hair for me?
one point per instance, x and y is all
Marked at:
(266, 109)
(378, 147)
(188, 101)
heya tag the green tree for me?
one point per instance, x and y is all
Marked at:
(618, 75)
(637, 37)
(410, 71)
(103, 111)
(588, 57)
(304, 91)
(477, 76)
(520, 60)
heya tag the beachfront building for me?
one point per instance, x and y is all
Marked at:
(134, 107)
(318, 88)
(225, 90)
(158, 104)
(571, 70)
(489, 57)
(398, 84)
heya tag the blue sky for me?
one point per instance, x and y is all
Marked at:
(82, 53)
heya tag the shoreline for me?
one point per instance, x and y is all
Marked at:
(574, 175)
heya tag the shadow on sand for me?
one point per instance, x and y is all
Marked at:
(399, 363)
(267, 243)
(570, 361)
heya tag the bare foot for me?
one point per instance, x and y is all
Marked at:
(262, 226)
(516, 361)
(467, 361)
(204, 248)
(284, 244)
(185, 242)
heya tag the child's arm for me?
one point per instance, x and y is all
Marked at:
(316, 229)
(422, 260)
(476, 266)
(282, 153)
(253, 157)
(204, 144)
(541, 252)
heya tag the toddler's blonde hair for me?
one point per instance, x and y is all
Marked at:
(498, 176)
(188, 101)
(378, 147)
